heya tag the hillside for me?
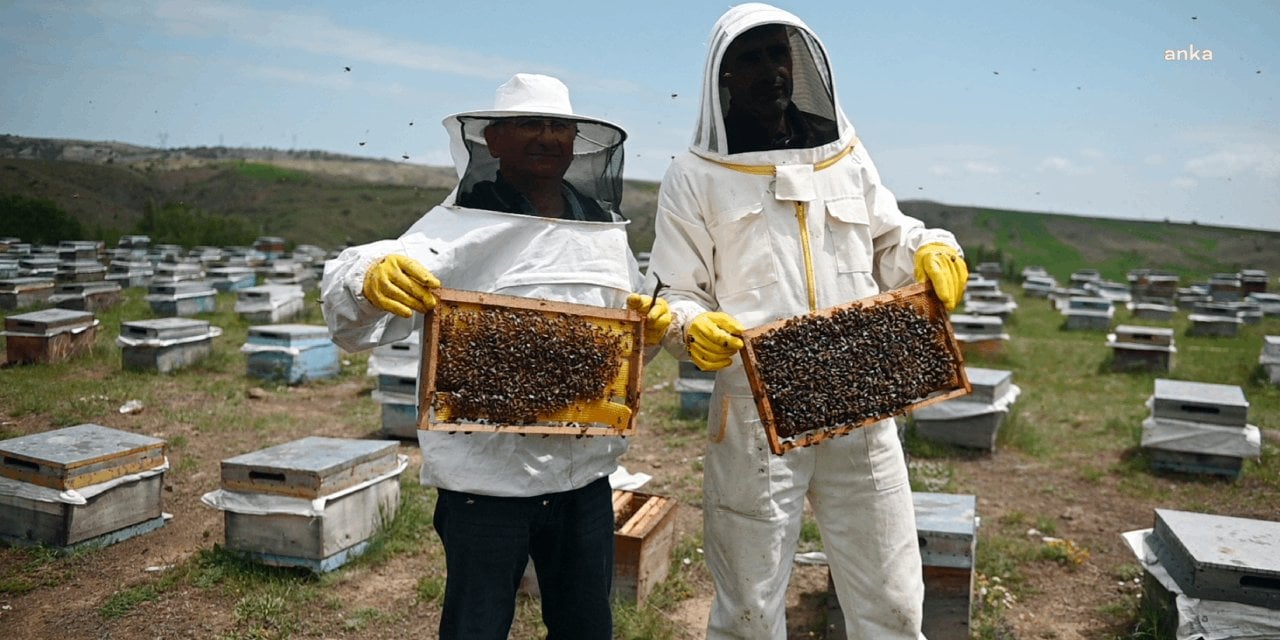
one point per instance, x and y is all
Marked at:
(329, 199)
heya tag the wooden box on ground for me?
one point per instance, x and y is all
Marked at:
(1206, 402)
(806, 395)
(495, 363)
(1153, 311)
(291, 353)
(118, 477)
(20, 293)
(946, 525)
(270, 303)
(972, 421)
(130, 273)
(1141, 348)
(643, 539)
(398, 397)
(694, 386)
(317, 501)
(1269, 358)
(86, 296)
(80, 271)
(181, 298)
(49, 336)
(163, 345)
(1221, 557)
(232, 278)
(979, 335)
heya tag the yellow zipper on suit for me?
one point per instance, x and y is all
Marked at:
(802, 210)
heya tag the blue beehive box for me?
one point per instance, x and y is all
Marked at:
(398, 396)
(181, 298)
(293, 353)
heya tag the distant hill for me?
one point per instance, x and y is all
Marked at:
(329, 200)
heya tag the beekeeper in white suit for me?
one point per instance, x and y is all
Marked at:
(534, 215)
(776, 211)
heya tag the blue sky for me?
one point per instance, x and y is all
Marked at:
(1064, 107)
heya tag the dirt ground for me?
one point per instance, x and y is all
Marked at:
(1058, 603)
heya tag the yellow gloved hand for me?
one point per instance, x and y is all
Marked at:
(657, 316)
(714, 337)
(401, 285)
(944, 267)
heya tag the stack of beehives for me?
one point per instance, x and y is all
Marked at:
(81, 485)
(1209, 576)
(1269, 359)
(1199, 427)
(974, 420)
(1145, 348)
(395, 367)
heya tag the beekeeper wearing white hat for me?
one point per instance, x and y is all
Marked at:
(535, 214)
(775, 211)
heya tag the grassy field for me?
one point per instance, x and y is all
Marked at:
(1075, 421)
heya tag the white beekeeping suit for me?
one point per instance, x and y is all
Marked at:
(769, 234)
(574, 261)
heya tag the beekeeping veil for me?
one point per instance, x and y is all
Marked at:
(813, 90)
(596, 170)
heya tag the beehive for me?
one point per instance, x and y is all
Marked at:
(946, 528)
(1206, 402)
(1269, 358)
(400, 358)
(171, 272)
(644, 536)
(1220, 557)
(1088, 313)
(397, 394)
(181, 298)
(232, 278)
(316, 501)
(974, 420)
(49, 336)
(695, 387)
(130, 273)
(164, 344)
(825, 374)
(1141, 348)
(495, 363)
(86, 296)
(1153, 311)
(20, 293)
(80, 271)
(269, 304)
(120, 476)
(292, 353)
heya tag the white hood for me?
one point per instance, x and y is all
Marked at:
(812, 80)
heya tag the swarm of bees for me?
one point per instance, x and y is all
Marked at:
(512, 365)
(855, 365)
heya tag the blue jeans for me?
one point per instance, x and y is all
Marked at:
(487, 542)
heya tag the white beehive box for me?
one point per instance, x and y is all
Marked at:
(314, 502)
(80, 485)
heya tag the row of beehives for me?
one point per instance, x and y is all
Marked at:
(103, 287)
(314, 502)
(139, 248)
(289, 352)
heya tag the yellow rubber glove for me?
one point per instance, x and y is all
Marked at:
(401, 285)
(714, 337)
(657, 316)
(944, 267)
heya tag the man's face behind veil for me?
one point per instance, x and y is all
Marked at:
(756, 70)
(534, 147)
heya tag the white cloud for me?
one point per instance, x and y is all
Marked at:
(940, 170)
(1184, 183)
(1062, 165)
(1154, 159)
(1236, 160)
(978, 166)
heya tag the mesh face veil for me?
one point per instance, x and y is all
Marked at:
(812, 88)
(596, 169)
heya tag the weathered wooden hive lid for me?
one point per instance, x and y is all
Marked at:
(1144, 335)
(79, 456)
(988, 384)
(164, 328)
(947, 526)
(49, 321)
(30, 283)
(1205, 402)
(288, 334)
(181, 287)
(1220, 557)
(311, 467)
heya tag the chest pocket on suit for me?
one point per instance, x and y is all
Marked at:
(849, 226)
(744, 254)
